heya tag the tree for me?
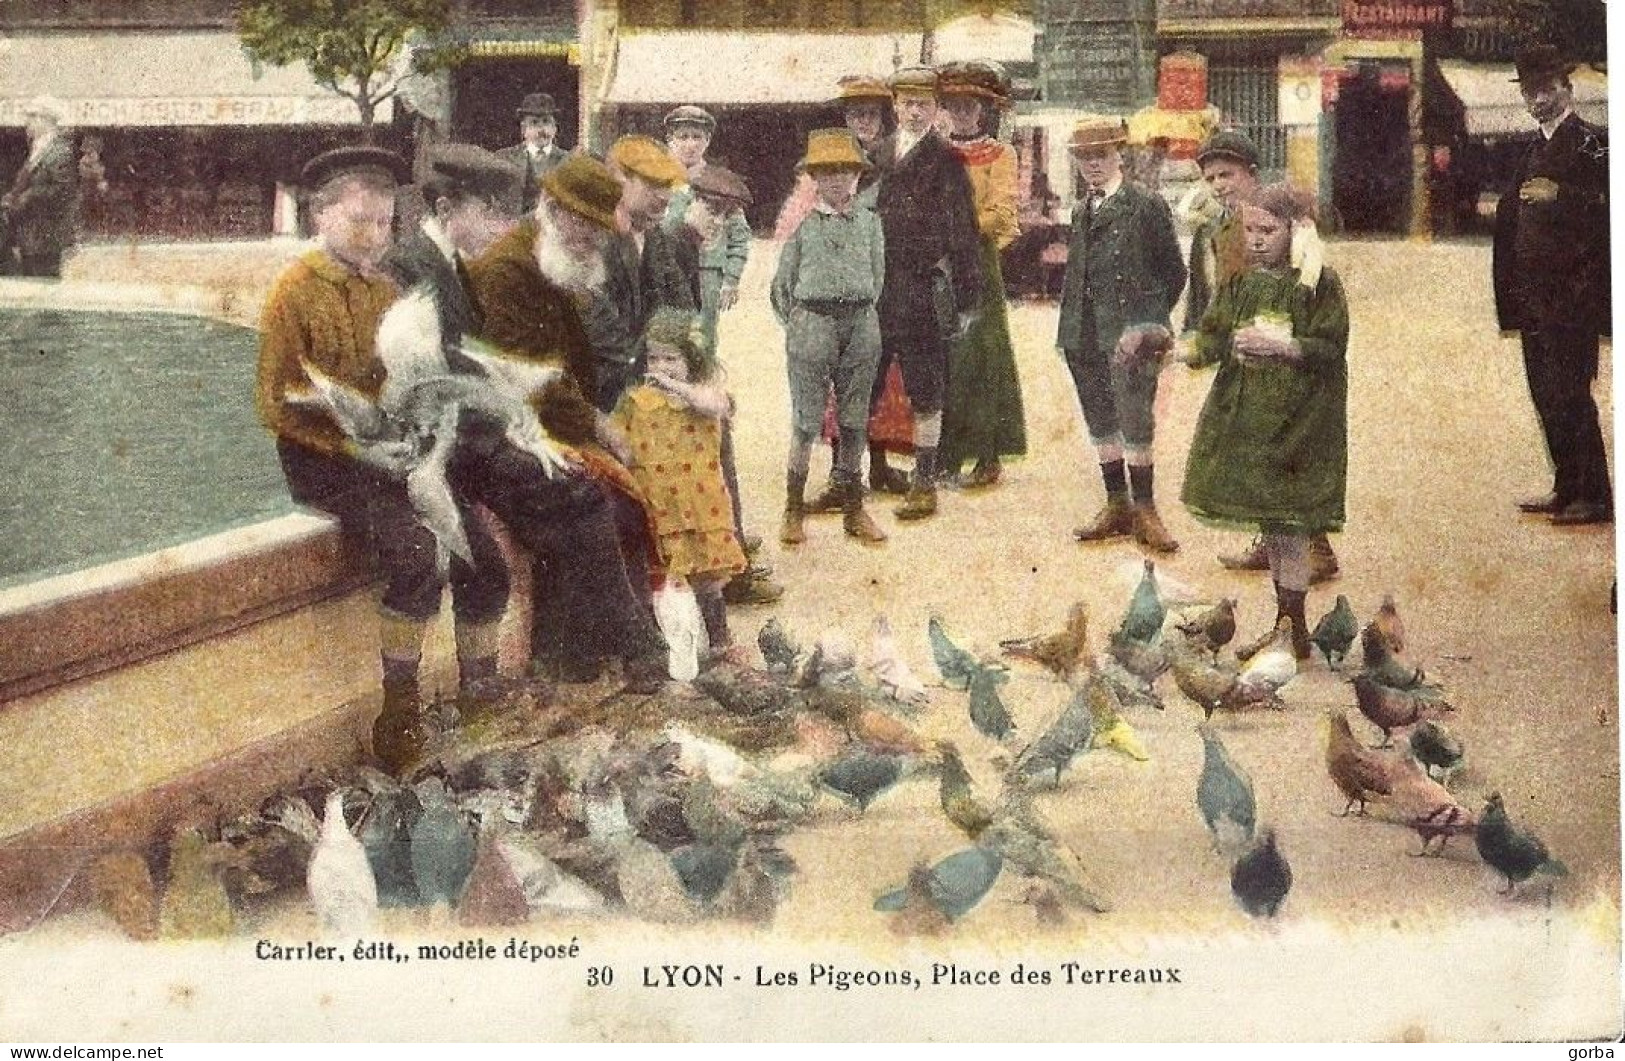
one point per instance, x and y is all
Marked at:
(352, 47)
(1579, 28)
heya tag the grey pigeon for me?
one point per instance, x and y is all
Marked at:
(1514, 853)
(1224, 793)
(1067, 736)
(1437, 748)
(443, 846)
(956, 666)
(1261, 878)
(386, 834)
(987, 711)
(778, 651)
(1336, 631)
(704, 869)
(860, 776)
(1143, 620)
(955, 885)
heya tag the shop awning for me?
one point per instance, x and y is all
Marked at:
(1493, 106)
(1000, 37)
(162, 79)
(734, 68)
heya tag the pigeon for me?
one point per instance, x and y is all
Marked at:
(778, 651)
(1060, 653)
(1390, 709)
(340, 880)
(1261, 878)
(1514, 853)
(958, 800)
(954, 885)
(890, 671)
(759, 883)
(1131, 689)
(1215, 686)
(1213, 627)
(432, 499)
(718, 761)
(1389, 624)
(195, 904)
(860, 776)
(1335, 632)
(1272, 666)
(651, 886)
(704, 869)
(1111, 729)
(1224, 794)
(987, 711)
(408, 345)
(493, 895)
(1031, 848)
(1143, 620)
(1145, 661)
(1360, 774)
(1420, 802)
(1385, 668)
(1069, 735)
(548, 889)
(386, 836)
(956, 666)
(443, 846)
(1436, 748)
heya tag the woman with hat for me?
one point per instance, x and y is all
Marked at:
(1271, 445)
(982, 417)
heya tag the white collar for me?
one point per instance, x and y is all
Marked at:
(1550, 130)
(906, 141)
(437, 235)
(1111, 188)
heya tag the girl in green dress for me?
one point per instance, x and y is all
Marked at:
(1271, 446)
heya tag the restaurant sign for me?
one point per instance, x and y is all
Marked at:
(203, 110)
(1380, 18)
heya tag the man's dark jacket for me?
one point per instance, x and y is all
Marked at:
(933, 249)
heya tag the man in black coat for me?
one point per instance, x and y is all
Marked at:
(536, 153)
(933, 268)
(39, 213)
(1552, 280)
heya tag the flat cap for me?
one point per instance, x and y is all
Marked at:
(342, 161)
(473, 169)
(688, 114)
(647, 158)
(714, 182)
(1228, 144)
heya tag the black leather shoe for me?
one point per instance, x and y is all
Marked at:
(1543, 506)
(1582, 513)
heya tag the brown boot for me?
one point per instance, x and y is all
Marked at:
(477, 687)
(1291, 604)
(1115, 520)
(1149, 531)
(397, 734)
(920, 503)
(826, 502)
(1322, 561)
(1254, 558)
(854, 519)
(793, 530)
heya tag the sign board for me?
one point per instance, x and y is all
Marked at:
(204, 110)
(1384, 17)
(1102, 65)
(1188, 10)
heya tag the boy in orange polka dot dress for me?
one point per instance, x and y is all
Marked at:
(673, 424)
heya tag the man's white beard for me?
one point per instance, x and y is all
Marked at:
(559, 266)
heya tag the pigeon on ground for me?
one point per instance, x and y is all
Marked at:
(957, 796)
(1385, 668)
(1359, 773)
(195, 904)
(1390, 709)
(386, 836)
(493, 895)
(1437, 749)
(443, 846)
(1131, 689)
(1272, 666)
(1336, 631)
(1146, 661)
(1416, 800)
(1514, 853)
(778, 651)
(340, 880)
(1111, 729)
(987, 711)
(1060, 653)
(954, 885)
(704, 869)
(1031, 848)
(860, 776)
(1143, 620)
(956, 666)
(1215, 686)
(1389, 624)
(1071, 734)
(1212, 628)
(1262, 878)
(891, 673)
(1224, 794)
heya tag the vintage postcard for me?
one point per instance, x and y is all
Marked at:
(813, 520)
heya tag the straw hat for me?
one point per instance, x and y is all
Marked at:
(914, 80)
(1093, 133)
(585, 187)
(833, 149)
(861, 87)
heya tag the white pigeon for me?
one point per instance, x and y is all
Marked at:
(1173, 593)
(340, 880)
(548, 889)
(430, 493)
(696, 754)
(408, 343)
(890, 670)
(356, 414)
(604, 813)
(1273, 665)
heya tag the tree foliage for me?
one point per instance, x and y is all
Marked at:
(1577, 27)
(352, 47)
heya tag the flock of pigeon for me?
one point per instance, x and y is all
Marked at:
(673, 808)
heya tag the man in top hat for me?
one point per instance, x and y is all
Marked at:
(641, 270)
(1552, 276)
(933, 268)
(1124, 272)
(468, 194)
(722, 260)
(39, 212)
(535, 153)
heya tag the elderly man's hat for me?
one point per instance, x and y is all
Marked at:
(714, 182)
(648, 158)
(343, 161)
(585, 187)
(473, 170)
(688, 114)
(536, 105)
(1231, 145)
(1541, 65)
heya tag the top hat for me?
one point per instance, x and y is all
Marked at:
(855, 87)
(1228, 144)
(647, 158)
(1540, 65)
(714, 182)
(471, 169)
(915, 80)
(833, 149)
(978, 78)
(585, 187)
(688, 114)
(330, 165)
(1098, 132)
(536, 105)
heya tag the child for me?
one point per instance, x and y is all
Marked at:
(673, 424)
(829, 278)
(1271, 446)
